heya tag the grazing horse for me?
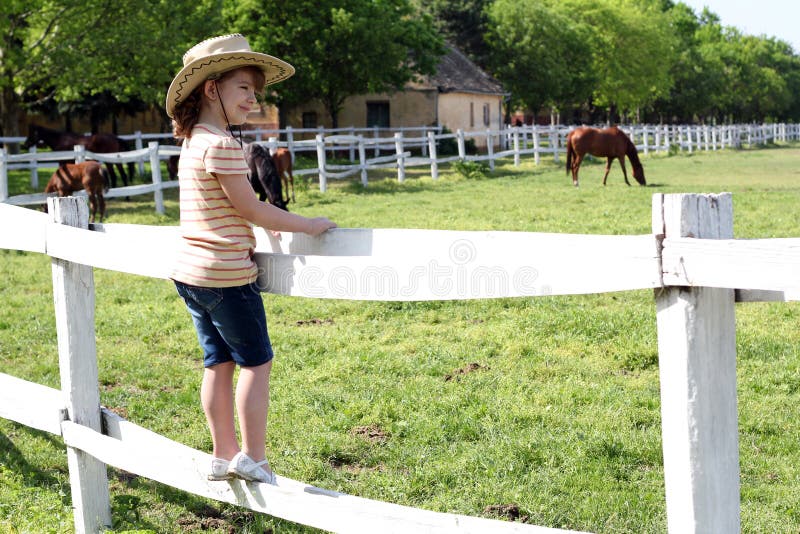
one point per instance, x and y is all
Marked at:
(608, 142)
(264, 175)
(98, 143)
(89, 176)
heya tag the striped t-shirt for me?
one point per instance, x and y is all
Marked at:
(217, 243)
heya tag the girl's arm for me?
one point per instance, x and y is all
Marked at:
(241, 195)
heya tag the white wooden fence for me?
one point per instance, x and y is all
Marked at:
(691, 260)
(513, 142)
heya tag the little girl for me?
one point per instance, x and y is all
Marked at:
(215, 272)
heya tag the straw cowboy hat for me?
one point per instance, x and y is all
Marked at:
(212, 57)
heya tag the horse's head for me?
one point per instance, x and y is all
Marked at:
(638, 173)
(263, 175)
(33, 137)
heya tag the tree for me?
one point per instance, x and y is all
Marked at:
(339, 48)
(632, 51)
(540, 54)
(464, 23)
(68, 51)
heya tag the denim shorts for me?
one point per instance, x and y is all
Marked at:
(231, 323)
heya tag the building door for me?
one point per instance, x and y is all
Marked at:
(378, 114)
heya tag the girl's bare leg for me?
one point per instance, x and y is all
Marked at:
(216, 395)
(252, 405)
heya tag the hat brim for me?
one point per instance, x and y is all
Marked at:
(196, 72)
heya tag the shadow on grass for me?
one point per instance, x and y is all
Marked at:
(13, 457)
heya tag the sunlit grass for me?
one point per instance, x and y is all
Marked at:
(549, 405)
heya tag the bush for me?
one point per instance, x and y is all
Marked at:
(471, 169)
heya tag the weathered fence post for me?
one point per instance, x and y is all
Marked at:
(80, 153)
(139, 145)
(401, 160)
(516, 146)
(432, 153)
(697, 365)
(462, 149)
(362, 160)
(155, 170)
(490, 149)
(323, 178)
(34, 168)
(73, 293)
(3, 174)
(536, 144)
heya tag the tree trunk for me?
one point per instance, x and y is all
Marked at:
(9, 117)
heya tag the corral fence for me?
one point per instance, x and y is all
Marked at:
(697, 270)
(367, 149)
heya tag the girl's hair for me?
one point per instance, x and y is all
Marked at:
(187, 113)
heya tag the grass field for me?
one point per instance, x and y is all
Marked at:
(544, 410)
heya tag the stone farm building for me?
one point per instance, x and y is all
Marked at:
(459, 95)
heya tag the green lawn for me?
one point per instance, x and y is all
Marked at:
(547, 408)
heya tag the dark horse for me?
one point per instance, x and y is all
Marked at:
(264, 175)
(99, 143)
(609, 142)
(89, 176)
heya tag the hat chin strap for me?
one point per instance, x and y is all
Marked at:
(228, 122)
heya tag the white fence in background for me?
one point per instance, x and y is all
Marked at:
(691, 259)
(376, 151)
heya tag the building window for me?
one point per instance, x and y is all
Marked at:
(471, 114)
(309, 119)
(487, 119)
(378, 114)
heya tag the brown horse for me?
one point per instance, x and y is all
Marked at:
(98, 143)
(89, 176)
(282, 159)
(610, 143)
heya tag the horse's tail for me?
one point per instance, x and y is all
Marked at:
(570, 153)
(104, 176)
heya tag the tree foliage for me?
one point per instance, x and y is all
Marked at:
(657, 57)
(340, 48)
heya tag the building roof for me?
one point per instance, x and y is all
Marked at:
(456, 73)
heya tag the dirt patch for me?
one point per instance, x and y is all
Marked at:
(469, 368)
(372, 433)
(313, 322)
(506, 511)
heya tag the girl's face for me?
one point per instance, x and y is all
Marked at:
(236, 91)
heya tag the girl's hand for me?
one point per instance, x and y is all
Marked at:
(319, 225)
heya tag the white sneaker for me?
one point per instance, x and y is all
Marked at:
(244, 467)
(219, 469)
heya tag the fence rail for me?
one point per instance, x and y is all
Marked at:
(394, 152)
(691, 258)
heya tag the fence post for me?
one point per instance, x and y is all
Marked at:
(376, 135)
(516, 146)
(290, 141)
(697, 367)
(323, 178)
(490, 148)
(139, 146)
(73, 294)
(155, 170)
(34, 168)
(554, 142)
(536, 145)
(362, 159)
(80, 153)
(432, 152)
(462, 149)
(3, 174)
(352, 133)
(398, 148)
